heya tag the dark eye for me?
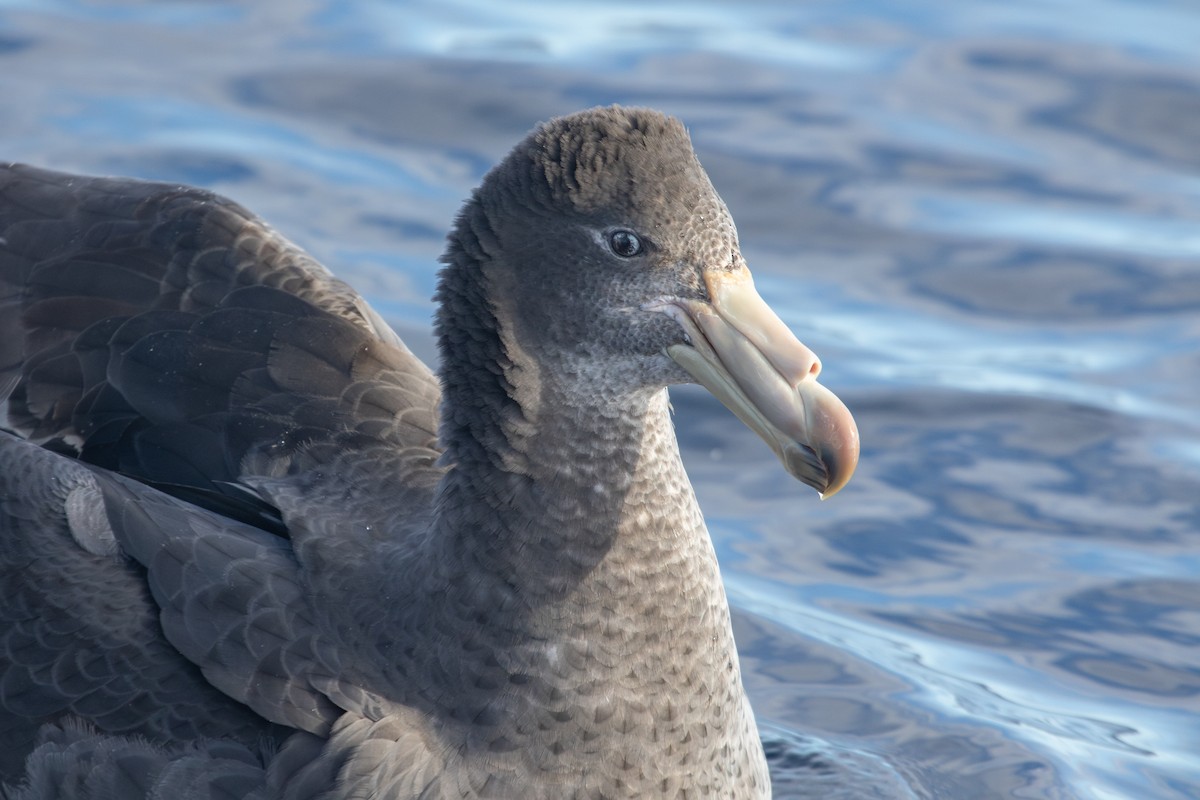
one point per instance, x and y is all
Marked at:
(625, 243)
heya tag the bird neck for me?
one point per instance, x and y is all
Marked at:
(569, 547)
(551, 502)
(555, 481)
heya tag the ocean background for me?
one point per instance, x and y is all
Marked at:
(983, 216)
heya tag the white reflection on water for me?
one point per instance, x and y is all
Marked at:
(585, 32)
(972, 685)
(1138, 234)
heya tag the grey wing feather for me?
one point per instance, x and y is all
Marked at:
(166, 333)
(79, 631)
(232, 599)
(73, 761)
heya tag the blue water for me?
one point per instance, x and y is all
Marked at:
(984, 216)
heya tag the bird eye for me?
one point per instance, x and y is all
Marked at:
(625, 243)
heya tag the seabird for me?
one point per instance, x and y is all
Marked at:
(251, 546)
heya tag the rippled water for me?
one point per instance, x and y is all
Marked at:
(985, 216)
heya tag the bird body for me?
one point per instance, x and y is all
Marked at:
(248, 541)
